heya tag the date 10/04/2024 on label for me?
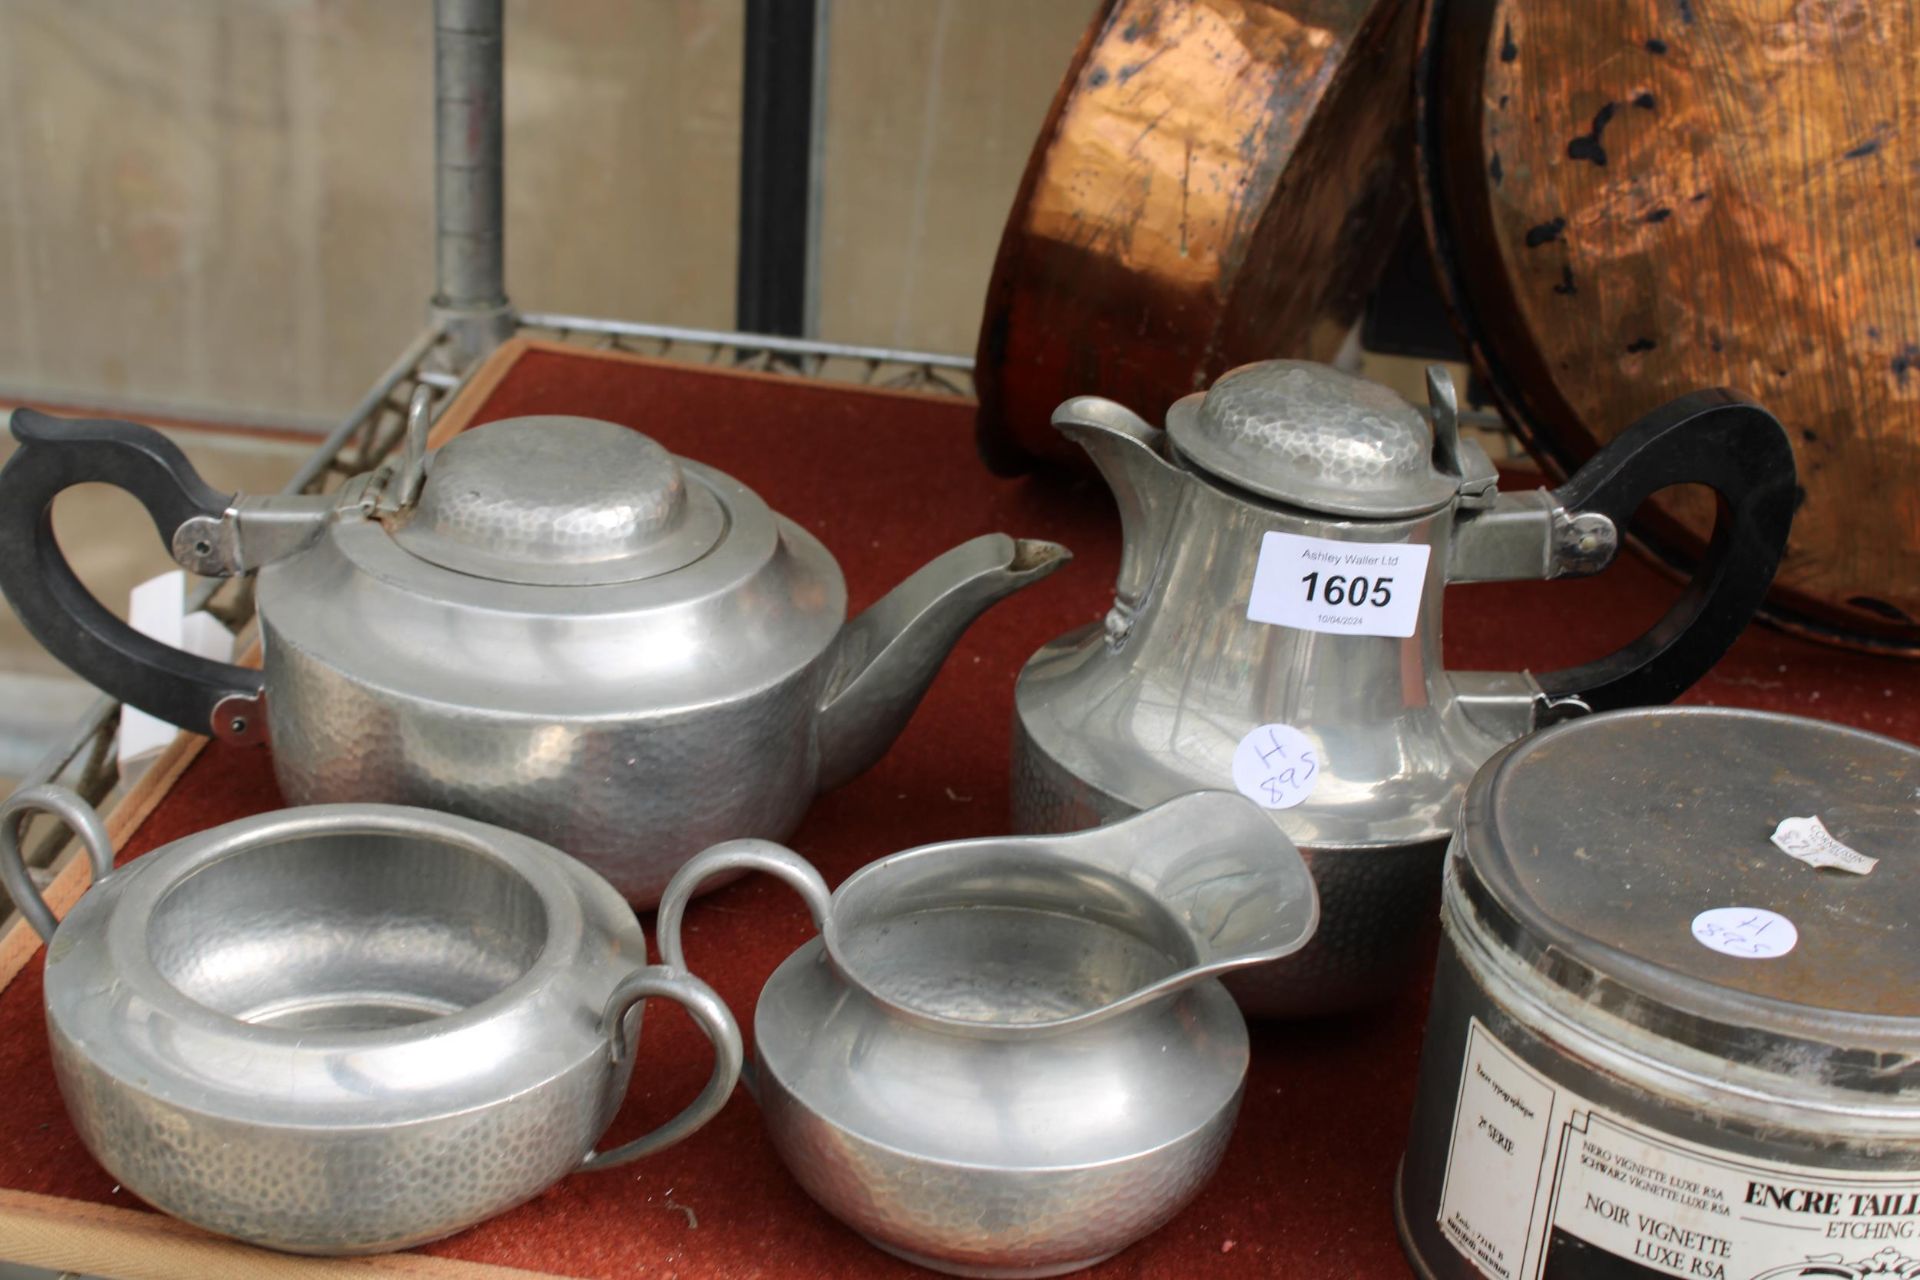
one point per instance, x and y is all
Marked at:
(1339, 588)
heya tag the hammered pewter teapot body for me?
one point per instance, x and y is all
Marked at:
(1011, 1056)
(1288, 540)
(347, 1028)
(551, 624)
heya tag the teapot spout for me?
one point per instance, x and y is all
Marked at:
(1146, 487)
(889, 655)
(1223, 870)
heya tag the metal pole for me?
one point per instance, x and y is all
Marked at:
(470, 295)
(776, 164)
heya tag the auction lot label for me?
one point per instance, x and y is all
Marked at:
(1543, 1185)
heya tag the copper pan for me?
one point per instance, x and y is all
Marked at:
(1629, 201)
(1217, 181)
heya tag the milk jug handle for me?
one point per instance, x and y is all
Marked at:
(731, 856)
(1717, 438)
(54, 454)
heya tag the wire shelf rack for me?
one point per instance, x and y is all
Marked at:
(883, 367)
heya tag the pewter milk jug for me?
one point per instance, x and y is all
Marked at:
(1288, 539)
(1012, 1056)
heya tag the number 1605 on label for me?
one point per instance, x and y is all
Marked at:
(1342, 588)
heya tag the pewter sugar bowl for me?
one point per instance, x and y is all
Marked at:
(551, 623)
(1288, 540)
(348, 1028)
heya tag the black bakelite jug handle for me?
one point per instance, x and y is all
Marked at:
(54, 454)
(1717, 438)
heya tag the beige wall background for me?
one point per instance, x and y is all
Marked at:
(225, 206)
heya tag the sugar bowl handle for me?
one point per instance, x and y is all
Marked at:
(70, 809)
(1721, 439)
(713, 1017)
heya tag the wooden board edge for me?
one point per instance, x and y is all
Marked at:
(128, 1244)
(549, 346)
(479, 389)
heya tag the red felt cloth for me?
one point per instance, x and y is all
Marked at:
(887, 481)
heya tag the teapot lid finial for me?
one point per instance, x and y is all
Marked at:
(1312, 436)
(559, 501)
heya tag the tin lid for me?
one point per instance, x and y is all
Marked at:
(1311, 436)
(1629, 858)
(559, 501)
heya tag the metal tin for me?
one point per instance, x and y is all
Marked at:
(1660, 1044)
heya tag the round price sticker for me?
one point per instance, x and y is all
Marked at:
(1750, 933)
(1276, 766)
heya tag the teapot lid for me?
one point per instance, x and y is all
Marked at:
(559, 501)
(1312, 436)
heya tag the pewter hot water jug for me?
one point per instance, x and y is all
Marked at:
(1275, 627)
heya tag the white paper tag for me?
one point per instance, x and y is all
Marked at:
(1276, 766)
(157, 608)
(1809, 840)
(1750, 933)
(1342, 588)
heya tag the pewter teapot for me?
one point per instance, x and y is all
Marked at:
(551, 624)
(1276, 627)
(1012, 1056)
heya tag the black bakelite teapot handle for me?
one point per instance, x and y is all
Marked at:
(1717, 438)
(54, 454)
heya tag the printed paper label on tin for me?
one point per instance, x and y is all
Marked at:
(1343, 588)
(1809, 840)
(1542, 1184)
(1276, 766)
(1501, 1128)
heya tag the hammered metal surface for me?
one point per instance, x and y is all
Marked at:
(632, 797)
(304, 1191)
(1376, 905)
(552, 499)
(990, 1222)
(1311, 436)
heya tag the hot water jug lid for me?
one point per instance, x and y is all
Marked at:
(559, 501)
(1639, 860)
(1311, 436)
